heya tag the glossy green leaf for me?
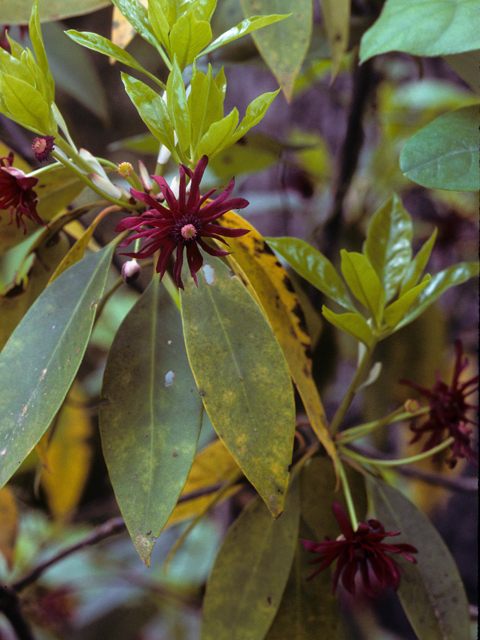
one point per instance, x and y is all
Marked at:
(19, 11)
(445, 153)
(250, 573)
(364, 283)
(150, 430)
(35, 34)
(255, 112)
(137, 16)
(431, 592)
(103, 45)
(41, 358)
(246, 26)
(314, 267)
(395, 311)
(187, 38)
(336, 17)
(242, 376)
(22, 103)
(284, 45)
(218, 136)
(352, 323)
(152, 110)
(388, 246)
(423, 28)
(159, 21)
(178, 107)
(440, 282)
(415, 269)
(205, 103)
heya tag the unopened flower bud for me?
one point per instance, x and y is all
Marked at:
(125, 169)
(131, 271)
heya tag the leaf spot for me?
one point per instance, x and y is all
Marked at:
(169, 376)
(174, 454)
(208, 274)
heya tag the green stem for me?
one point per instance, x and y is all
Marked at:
(363, 429)
(402, 461)
(348, 495)
(352, 389)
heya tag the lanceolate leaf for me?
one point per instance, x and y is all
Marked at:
(336, 15)
(41, 359)
(242, 376)
(417, 265)
(270, 283)
(388, 246)
(440, 283)
(151, 415)
(431, 592)
(363, 282)
(314, 267)
(395, 311)
(353, 323)
(444, 154)
(250, 572)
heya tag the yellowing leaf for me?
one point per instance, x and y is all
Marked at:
(8, 525)
(66, 455)
(213, 465)
(268, 281)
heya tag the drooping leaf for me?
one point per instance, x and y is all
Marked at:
(336, 16)
(18, 11)
(41, 358)
(255, 558)
(388, 246)
(284, 45)
(9, 525)
(66, 458)
(364, 283)
(314, 267)
(270, 283)
(445, 153)
(423, 28)
(440, 282)
(151, 416)
(242, 376)
(353, 323)
(431, 592)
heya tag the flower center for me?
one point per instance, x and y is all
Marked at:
(188, 231)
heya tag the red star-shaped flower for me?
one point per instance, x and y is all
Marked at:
(360, 551)
(183, 224)
(16, 192)
(448, 415)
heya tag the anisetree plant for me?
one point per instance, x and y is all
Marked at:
(225, 335)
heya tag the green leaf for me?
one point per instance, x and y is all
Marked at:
(242, 376)
(440, 282)
(152, 110)
(336, 16)
(352, 323)
(159, 21)
(431, 592)
(283, 46)
(22, 103)
(423, 28)
(205, 103)
(255, 112)
(250, 572)
(246, 26)
(388, 246)
(395, 311)
(137, 16)
(218, 136)
(35, 34)
(103, 45)
(314, 267)
(415, 268)
(41, 358)
(19, 11)
(363, 282)
(178, 107)
(150, 430)
(187, 38)
(444, 154)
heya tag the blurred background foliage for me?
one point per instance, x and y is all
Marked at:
(316, 167)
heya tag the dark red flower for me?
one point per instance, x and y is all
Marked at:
(448, 415)
(43, 147)
(16, 192)
(360, 551)
(183, 224)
